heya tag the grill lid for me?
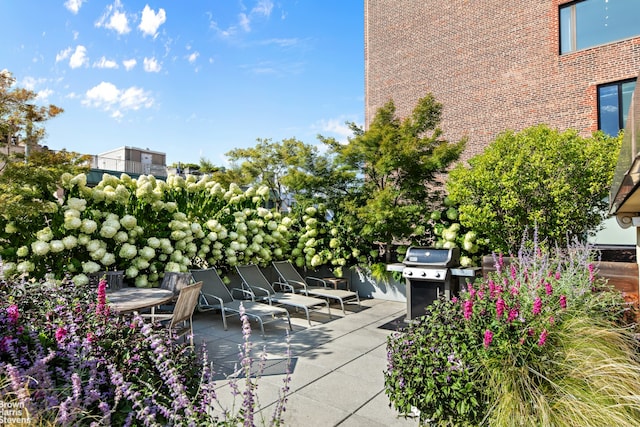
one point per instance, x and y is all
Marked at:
(427, 256)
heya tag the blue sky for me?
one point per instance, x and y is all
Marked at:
(189, 78)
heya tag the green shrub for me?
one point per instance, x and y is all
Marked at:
(556, 180)
(538, 341)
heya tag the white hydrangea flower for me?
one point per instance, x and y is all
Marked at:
(153, 242)
(56, 246)
(263, 191)
(128, 251)
(178, 235)
(22, 251)
(131, 272)
(176, 256)
(108, 259)
(45, 234)
(70, 212)
(25, 267)
(98, 254)
(80, 279)
(141, 263)
(142, 281)
(128, 222)
(40, 248)
(94, 245)
(90, 267)
(83, 239)
(69, 242)
(147, 253)
(10, 227)
(77, 204)
(172, 267)
(80, 180)
(88, 226)
(171, 206)
(121, 236)
(8, 268)
(98, 195)
(72, 222)
(107, 231)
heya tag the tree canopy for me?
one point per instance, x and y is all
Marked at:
(543, 179)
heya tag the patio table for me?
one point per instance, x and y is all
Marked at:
(134, 299)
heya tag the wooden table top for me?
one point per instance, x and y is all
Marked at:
(134, 299)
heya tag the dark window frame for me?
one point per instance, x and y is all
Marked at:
(618, 84)
(573, 29)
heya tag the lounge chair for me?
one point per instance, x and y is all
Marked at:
(254, 281)
(216, 295)
(290, 276)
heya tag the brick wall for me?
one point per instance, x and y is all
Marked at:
(494, 65)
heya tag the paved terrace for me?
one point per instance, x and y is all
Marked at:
(337, 364)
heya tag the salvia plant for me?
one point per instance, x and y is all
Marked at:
(500, 351)
(66, 359)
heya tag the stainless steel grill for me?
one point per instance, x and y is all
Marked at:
(428, 275)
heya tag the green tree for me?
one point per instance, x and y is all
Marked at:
(28, 188)
(556, 182)
(399, 161)
(21, 120)
(269, 162)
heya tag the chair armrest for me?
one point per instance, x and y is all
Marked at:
(263, 290)
(246, 294)
(207, 306)
(317, 279)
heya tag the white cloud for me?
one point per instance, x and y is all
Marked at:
(107, 97)
(151, 21)
(192, 58)
(63, 54)
(43, 95)
(264, 7)
(129, 64)
(30, 83)
(151, 65)
(114, 19)
(73, 5)
(79, 57)
(244, 22)
(337, 127)
(105, 63)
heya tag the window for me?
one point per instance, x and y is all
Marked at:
(613, 105)
(594, 22)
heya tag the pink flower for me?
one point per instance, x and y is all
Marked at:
(60, 333)
(467, 309)
(454, 299)
(543, 337)
(513, 315)
(514, 291)
(13, 313)
(500, 306)
(488, 337)
(472, 291)
(102, 297)
(592, 269)
(557, 275)
(512, 268)
(563, 301)
(548, 288)
(537, 306)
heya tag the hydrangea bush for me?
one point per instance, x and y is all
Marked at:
(494, 354)
(146, 227)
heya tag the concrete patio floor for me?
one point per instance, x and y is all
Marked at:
(336, 369)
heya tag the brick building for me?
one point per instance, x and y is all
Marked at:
(497, 65)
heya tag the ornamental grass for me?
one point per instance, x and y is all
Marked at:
(541, 341)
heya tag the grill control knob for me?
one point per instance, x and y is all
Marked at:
(437, 275)
(409, 273)
(423, 273)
